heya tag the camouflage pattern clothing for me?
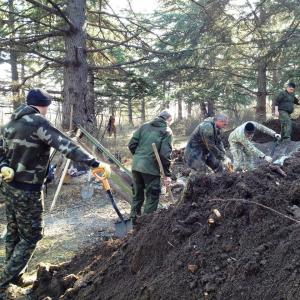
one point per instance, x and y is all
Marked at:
(243, 150)
(25, 147)
(205, 147)
(24, 229)
(27, 140)
(145, 169)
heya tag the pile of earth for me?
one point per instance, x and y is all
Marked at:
(232, 237)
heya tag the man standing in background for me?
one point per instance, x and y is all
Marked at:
(284, 107)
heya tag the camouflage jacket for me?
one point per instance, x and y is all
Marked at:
(25, 147)
(237, 138)
(140, 145)
(206, 138)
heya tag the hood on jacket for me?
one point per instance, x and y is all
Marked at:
(159, 122)
(22, 111)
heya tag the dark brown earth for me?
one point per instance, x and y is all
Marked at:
(188, 252)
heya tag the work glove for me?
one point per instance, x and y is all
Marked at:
(277, 136)
(268, 159)
(167, 181)
(227, 161)
(7, 173)
(105, 169)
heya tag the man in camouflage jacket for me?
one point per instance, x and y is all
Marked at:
(24, 156)
(243, 150)
(205, 146)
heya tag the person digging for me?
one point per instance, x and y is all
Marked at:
(242, 148)
(24, 156)
(205, 147)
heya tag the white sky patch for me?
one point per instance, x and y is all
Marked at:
(138, 6)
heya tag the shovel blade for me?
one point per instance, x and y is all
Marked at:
(123, 227)
(87, 192)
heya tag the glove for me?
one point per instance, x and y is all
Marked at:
(167, 181)
(106, 169)
(268, 159)
(7, 173)
(277, 136)
(227, 161)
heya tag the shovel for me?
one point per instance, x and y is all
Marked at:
(87, 191)
(123, 226)
(275, 144)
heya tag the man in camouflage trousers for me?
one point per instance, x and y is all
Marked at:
(243, 150)
(205, 146)
(284, 107)
(145, 169)
(24, 159)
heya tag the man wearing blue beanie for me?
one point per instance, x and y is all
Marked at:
(24, 159)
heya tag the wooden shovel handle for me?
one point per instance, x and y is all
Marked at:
(162, 172)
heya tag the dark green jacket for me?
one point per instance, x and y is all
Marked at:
(286, 101)
(26, 144)
(140, 145)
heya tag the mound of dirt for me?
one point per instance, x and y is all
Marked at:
(233, 237)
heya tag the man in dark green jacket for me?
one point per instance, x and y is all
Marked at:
(284, 107)
(145, 169)
(24, 156)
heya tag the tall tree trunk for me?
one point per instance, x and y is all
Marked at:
(76, 67)
(210, 108)
(180, 115)
(189, 109)
(143, 110)
(275, 80)
(130, 113)
(113, 107)
(261, 110)
(14, 60)
(203, 109)
(90, 103)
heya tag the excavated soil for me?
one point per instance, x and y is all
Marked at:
(232, 237)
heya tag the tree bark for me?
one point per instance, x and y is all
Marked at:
(76, 68)
(261, 110)
(90, 103)
(130, 114)
(143, 110)
(203, 109)
(275, 80)
(180, 115)
(14, 61)
(189, 109)
(210, 108)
